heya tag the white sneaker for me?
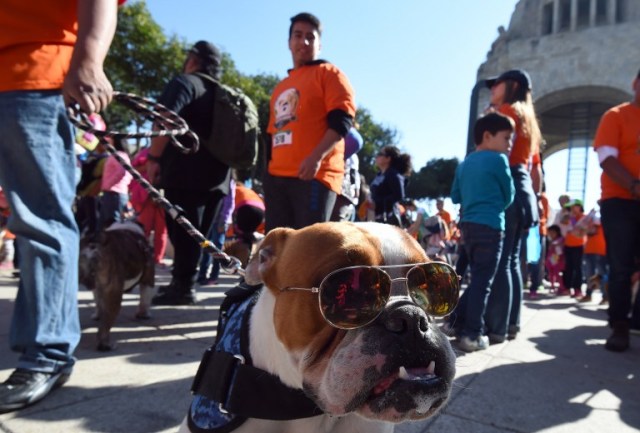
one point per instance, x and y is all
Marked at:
(468, 345)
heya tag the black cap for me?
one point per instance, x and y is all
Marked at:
(518, 75)
(206, 52)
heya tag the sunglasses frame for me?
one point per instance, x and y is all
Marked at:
(381, 269)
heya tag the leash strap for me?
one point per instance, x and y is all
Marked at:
(165, 119)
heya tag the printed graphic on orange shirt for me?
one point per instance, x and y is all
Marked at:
(285, 107)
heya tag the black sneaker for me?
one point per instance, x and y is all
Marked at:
(173, 298)
(25, 387)
(618, 341)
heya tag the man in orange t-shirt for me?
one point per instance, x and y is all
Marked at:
(444, 214)
(617, 143)
(311, 112)
(51, 54)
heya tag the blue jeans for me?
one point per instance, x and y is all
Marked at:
(594, 264)
(37, 171)
(621, 225)
(483, 246)
(217, 237)
(536, 269)
(112, 207)
(503, 307)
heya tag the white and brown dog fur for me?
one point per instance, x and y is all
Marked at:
(399, 368)
(112, 263)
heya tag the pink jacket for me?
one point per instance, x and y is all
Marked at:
(115, 178)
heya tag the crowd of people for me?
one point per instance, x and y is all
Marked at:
(311, 176)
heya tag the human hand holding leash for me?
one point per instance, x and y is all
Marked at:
(88, 86)
(86, 82)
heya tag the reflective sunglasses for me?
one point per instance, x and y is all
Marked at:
(353, 297)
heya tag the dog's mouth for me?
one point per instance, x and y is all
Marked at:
(423, 375)
(407, 393)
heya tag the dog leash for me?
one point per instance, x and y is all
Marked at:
(171, 125)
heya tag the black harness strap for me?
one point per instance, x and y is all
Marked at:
(254, 393)
(241, 388)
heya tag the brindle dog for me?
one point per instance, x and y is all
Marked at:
(112, 263)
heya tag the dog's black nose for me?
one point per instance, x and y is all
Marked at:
(404, 317)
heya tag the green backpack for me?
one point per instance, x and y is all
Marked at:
(234, 128)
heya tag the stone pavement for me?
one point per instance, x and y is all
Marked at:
(555, 377)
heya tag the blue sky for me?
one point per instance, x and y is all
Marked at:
(412, 63)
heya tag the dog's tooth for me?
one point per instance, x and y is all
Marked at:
(431, 368)
(403, 374)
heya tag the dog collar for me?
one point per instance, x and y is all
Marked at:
(227, 388)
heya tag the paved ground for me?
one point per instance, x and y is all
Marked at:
(555, 378)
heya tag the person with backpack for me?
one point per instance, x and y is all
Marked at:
(312, 110)
(197, 182)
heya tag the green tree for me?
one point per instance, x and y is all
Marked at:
(141, 60)
(433, 180)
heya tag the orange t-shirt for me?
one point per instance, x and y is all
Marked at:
(298, 120)
(596, 243)
(572, 238)
(523, 150)
(620, 128)
(36, 49)
(446, 216)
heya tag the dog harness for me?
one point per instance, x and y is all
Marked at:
(227, 388)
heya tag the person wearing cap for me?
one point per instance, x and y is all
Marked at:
(574, 241)
(197, 183)
(617, 143)
(51, 55)
(312, 110)
(511, 96)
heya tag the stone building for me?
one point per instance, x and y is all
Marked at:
(582, 56)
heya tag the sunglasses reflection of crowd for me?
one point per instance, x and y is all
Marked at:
(355, 296)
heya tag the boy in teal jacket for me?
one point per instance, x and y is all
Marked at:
(484, 187)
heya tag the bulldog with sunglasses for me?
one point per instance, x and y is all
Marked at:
(340, 334)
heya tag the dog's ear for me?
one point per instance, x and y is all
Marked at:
(262, 262)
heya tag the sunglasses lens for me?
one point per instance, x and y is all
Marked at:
(435, 287)
(354, 297)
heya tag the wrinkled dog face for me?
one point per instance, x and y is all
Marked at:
(400, 367)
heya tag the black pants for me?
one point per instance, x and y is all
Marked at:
(621, 225)
(296, 203)
(572, 275)
(200, 208)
